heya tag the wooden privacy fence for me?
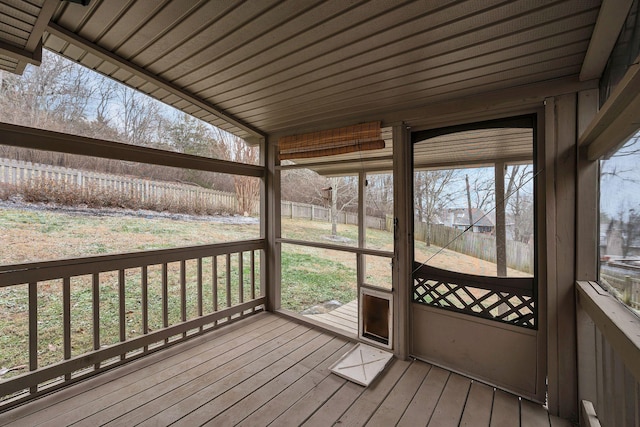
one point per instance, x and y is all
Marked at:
(519, 255)
(148, 192)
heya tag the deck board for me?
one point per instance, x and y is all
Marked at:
(448, 411)
(531, 415)
(477, 411)
(344, 317)
(277, 403)
(421, 407)
(211, 393)
(506, 408)
(391, 410)
(184, 379)
(268, 370)
(375, 395)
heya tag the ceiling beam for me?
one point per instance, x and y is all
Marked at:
(40, 139)
(105, 55)
(611, 18)
(15, 52)
(34, 42)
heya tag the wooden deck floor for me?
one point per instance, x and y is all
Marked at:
(344, 317)
(267, 370)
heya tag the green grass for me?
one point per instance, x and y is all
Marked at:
(309, 279)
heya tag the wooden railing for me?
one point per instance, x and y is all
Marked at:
(158, 297)
(608, 358)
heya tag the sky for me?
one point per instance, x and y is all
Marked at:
(620, 180)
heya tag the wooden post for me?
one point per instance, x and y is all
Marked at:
(403, 238)
(270, 225)
(501, 233)
(560, 167)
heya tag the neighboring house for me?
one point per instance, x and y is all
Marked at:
(459, 218)
(612, 242)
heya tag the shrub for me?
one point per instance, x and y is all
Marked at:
(7, 190)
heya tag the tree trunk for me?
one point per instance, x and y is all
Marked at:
(334, 207)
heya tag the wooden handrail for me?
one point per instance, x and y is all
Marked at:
(37, 381)
(40, 271)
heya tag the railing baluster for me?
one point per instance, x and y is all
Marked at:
(165, 297)
(253, 277)
(214, 284)
(183, 293)
(122, 312)
(144, 283)
(95, 283)
(199, 284)
(240, 277)
(229, 282)
(66, 320)
(33, 330)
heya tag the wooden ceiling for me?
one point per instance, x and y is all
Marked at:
(261, 67)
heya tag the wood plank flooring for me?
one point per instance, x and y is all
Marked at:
(267, 370)
(344, 317)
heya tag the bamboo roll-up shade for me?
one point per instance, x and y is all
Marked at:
(349, 139)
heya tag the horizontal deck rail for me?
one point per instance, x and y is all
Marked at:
(609, 356)
(154, 299)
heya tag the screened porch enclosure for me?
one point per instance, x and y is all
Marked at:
(424, 178)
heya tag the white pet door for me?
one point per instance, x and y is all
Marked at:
(376, 317)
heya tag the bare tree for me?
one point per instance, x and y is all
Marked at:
(138, 116)
(629, 221)
(236, 149)
(433, 192)
(344, 195)
(519, 200)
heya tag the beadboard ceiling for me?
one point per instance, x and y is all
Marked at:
(260, 67)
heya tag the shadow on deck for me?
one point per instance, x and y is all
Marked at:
(269, 370)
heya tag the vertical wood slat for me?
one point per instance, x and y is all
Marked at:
(228, 288)
(214, 284)
(240, 277)
(599, 373)
(199, 290)
(183, 292)
(66, 320)
(33, 330)
(631, 403)
(617, 368)
(607, 373)
(95, 293)
(144, 283)
(165, 297)
(122, 309)
(253, 276)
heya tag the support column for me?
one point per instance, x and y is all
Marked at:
(403, 237)
(587, 238)
(501, 232)
(560, 165)
(270, 265)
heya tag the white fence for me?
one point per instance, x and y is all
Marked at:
(146, 191)
(17, 173)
